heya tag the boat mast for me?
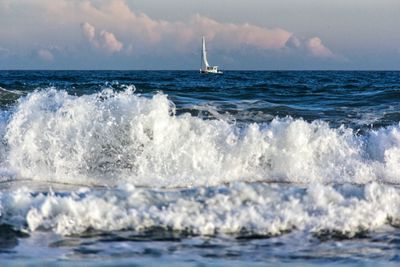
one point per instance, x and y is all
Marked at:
(204, 61)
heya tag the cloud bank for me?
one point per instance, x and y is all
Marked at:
(141, 32)
(70, 30)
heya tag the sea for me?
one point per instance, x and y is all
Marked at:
(178, 168)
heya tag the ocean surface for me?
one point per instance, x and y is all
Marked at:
(174, 168)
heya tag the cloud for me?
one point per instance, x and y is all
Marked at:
(106, 40)
(294, 42)
(90, 33)
(146, 32)
(236, 35)
(318, 49)
(109, 42)
(113, 27)
(45, 55)
(312, 46)
(143, 34)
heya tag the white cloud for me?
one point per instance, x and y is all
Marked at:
(90, 33)
(112, 27)
(45, 55)
(142, 33)
(109, 42)
(318, 49)
(106, 40)
(145, 32)
(312, 46)
(235, 35)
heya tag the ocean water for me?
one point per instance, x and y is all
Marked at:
(292, 168)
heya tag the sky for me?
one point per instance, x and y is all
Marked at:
(247, 35)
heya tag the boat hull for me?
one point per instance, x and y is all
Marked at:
(211, 72)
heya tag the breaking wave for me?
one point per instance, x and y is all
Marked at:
(109, 138)
(189, 174)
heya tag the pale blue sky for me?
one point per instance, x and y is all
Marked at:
(251, 34)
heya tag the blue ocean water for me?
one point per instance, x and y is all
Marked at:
(276, 168)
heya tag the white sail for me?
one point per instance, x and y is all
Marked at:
(205, 67)
(204, 55)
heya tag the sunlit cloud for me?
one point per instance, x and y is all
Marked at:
(109, 42)
(140, 28)
(113, 27)
(105, 40)
(318, 49)
(89, 32)
(90, 28)
(313, 46)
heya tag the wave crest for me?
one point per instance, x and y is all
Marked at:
(112, 137)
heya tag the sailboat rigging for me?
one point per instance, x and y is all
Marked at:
(205, 67)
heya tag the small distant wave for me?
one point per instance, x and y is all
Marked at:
(109, 138)
(9, 97)
(3, 90)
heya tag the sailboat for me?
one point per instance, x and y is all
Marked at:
(205, 67)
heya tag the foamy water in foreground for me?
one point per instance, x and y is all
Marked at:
(238, 209)
(119, 174)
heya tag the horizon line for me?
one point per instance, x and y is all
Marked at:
(195, 70)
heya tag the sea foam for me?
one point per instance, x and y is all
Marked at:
(235, 209)
(188, 174)
(109, 138)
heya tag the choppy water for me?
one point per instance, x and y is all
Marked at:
(160, 168)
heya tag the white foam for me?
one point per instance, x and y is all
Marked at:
(4, 115)
(128, 140)
(111, 138)
(233, 209)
